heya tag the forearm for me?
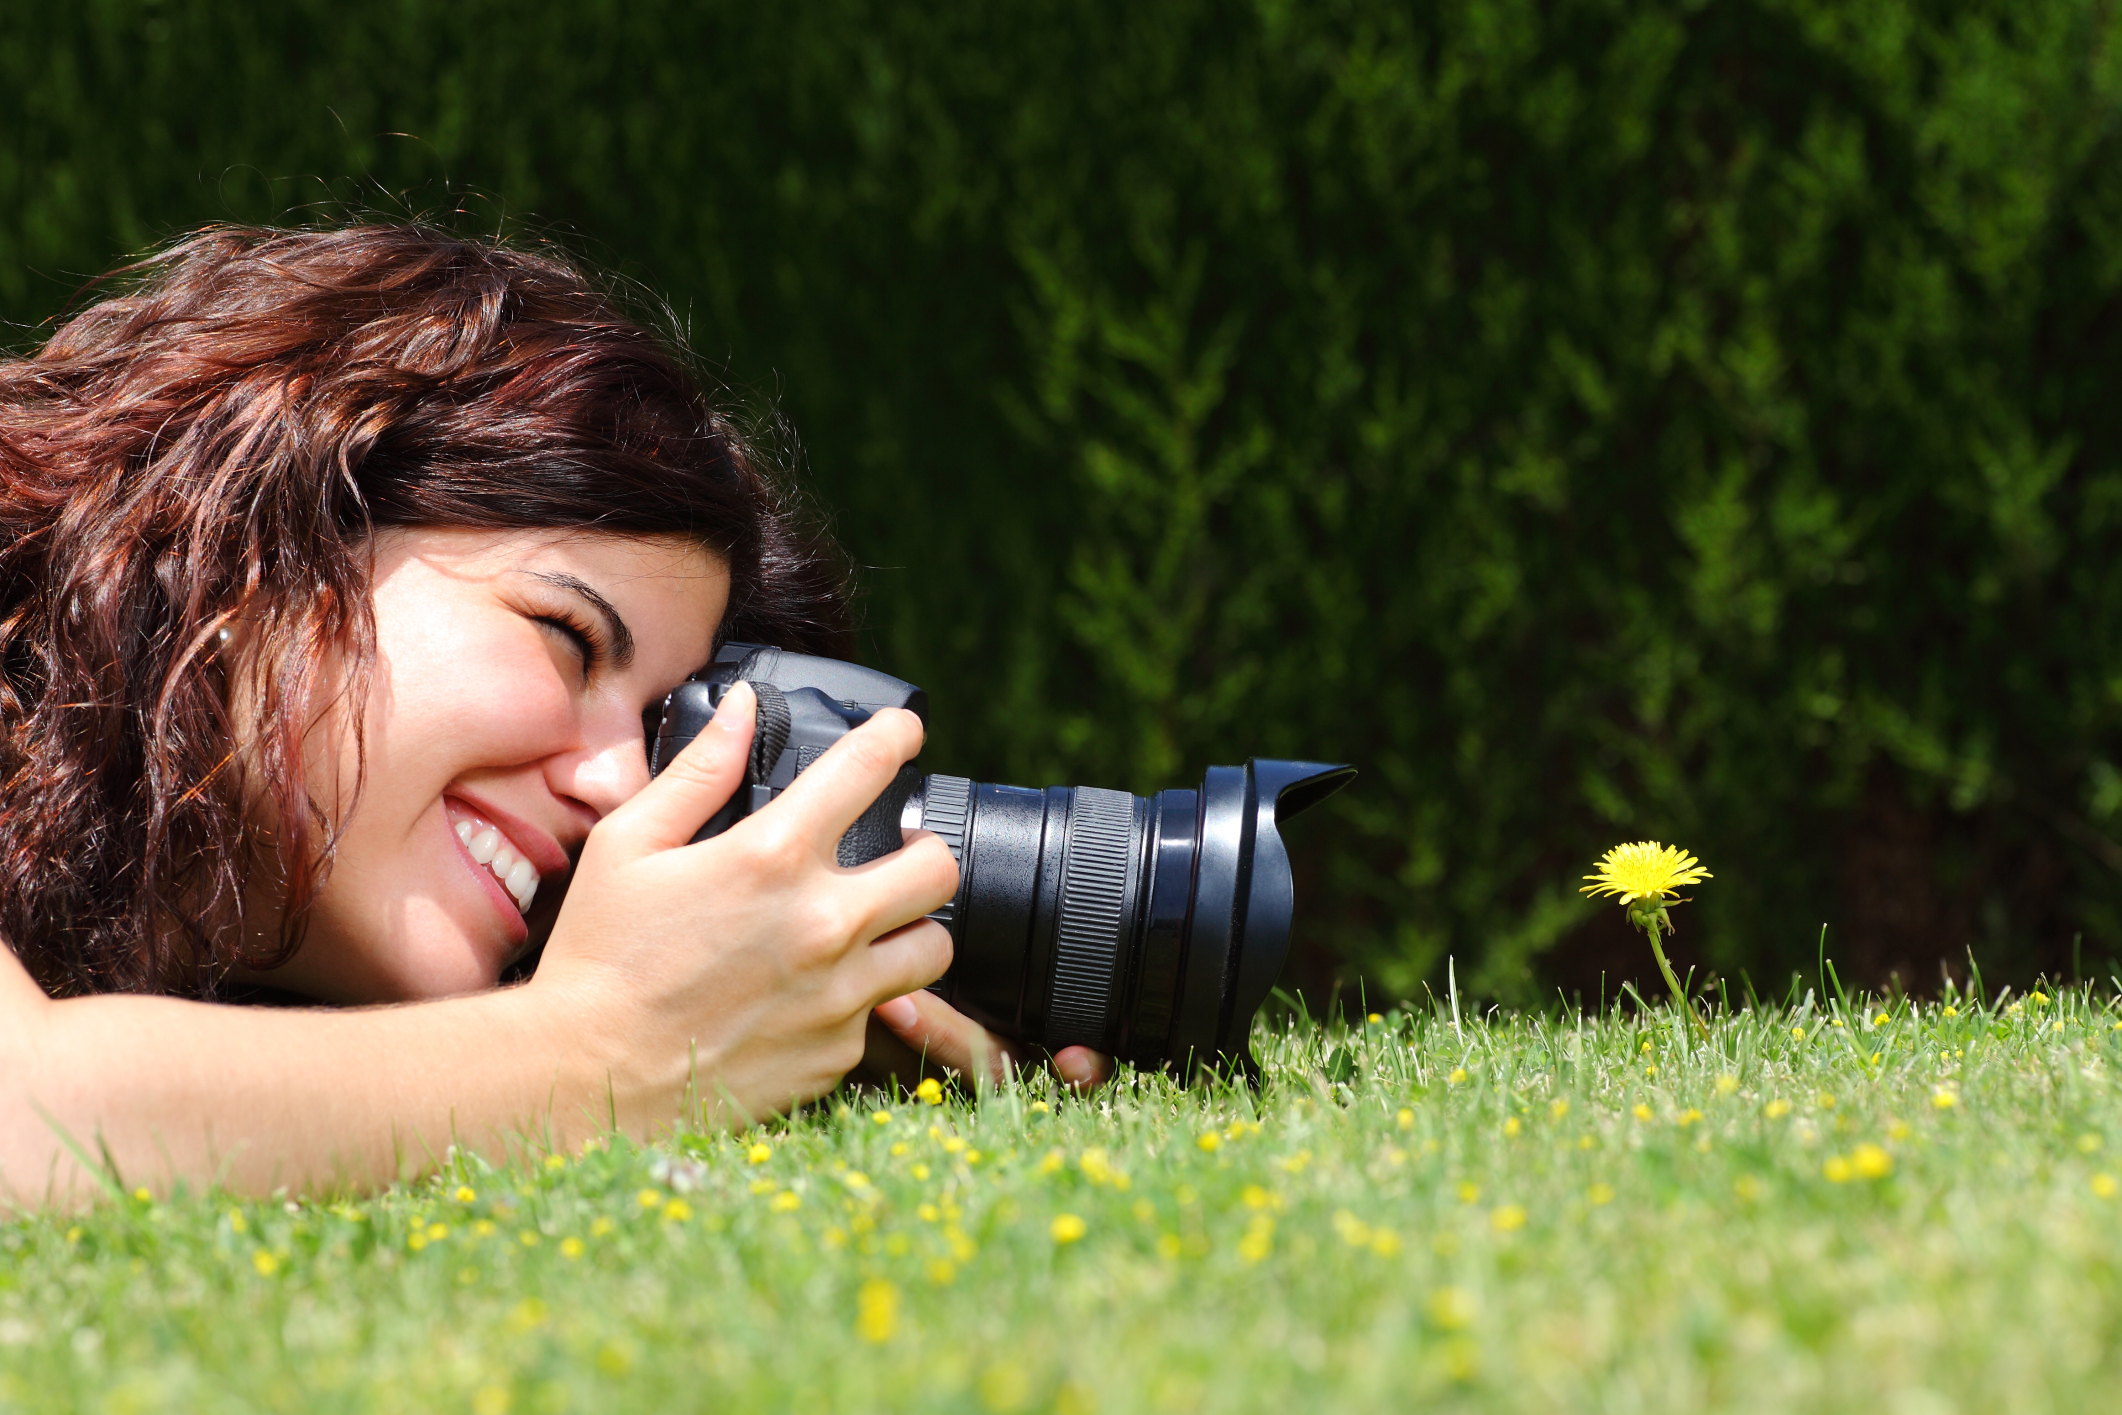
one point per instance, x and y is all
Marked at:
(258, 1098)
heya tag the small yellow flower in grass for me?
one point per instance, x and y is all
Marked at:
(1727, 1084)
(763, 1186)
(1507, 1218)
(1600, 1193)
(954, 1145)
(1644, 876)
(929, 1092)
(490, 1400)
(1469, 1191)
(1798, 1033)
(236, 1223)
(1405, 1119)
(1255, 1197)
(1168, 1245)
(436, 1232)
(2039, 997)
(1067, 1228)
(484, 1228)
(1825, 1100)
(1688, 1117)
(881, 1117)
(556, 1162)
(529, 1239)
(571, 1247)
(876, 1310)
(1943, 1098)
(2088, 1143)
(1952, 1012)
(785, 1202)
(1374, 1019)
(1871, 1162)
(265, 1263)
(1644, 1112)
(601, 1227)
(1836, 1170)
(649, 1198)
(144, 1195)
(1452, 1308)
(1210, 1142)
(1511, 1126)
(760, 1153)
(942, 1271)
(2104, 1186)
(2056, 1026)
(678, 1211)
(1259, 1239)
(1880, 1020)
(416, 1240)
(1354, 1231)
(1458, 1076)
(1747, 1188)
(464, 1194)
(1556, 1109)
(1776, 1109)
(1041, 1108)
(73, 1235)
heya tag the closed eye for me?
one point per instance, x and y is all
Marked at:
(579, 635)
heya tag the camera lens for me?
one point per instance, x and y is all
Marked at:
(1151, 927)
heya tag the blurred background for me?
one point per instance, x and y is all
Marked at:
(1595, 420)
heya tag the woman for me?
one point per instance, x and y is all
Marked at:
(337, 572)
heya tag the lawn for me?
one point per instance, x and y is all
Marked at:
(1878, 1206)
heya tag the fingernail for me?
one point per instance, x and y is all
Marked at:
(898, 1013)
(1073, 1069)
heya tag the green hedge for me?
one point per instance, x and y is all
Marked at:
(1595, 420)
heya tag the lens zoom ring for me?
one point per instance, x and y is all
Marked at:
(1093, 897)
(946, 805)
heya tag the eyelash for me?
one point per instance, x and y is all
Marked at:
(579, 633)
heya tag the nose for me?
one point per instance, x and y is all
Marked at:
(609, 766)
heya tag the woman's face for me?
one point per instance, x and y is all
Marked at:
(504, 720)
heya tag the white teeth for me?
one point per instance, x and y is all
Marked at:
(522, 882)
(487, 845)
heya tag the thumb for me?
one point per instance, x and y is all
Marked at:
(664, 814)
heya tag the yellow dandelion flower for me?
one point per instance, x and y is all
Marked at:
(265, 1263)
(649, 1198)
(678, 1211)
(1374, 1019)
(1727, 1084)
(1556, 1109)
(2104, 1186)
(556, 1162)
(1452, 1308)
(1644, 870)
(1067, 1228)
(1944, 1099)
(1600, 1193)
(571, 1247)
(882, 1117)
(1405, 1119)
(1643, 1112)
(1041, 1108)
(1210, 1142)
(929, 1092)
(1776, 1109)
(601, 1227)
(1871, 1162)
(1511, 1126)
(1458, 1076)
(1259, 1239)
(1952, 1012)
(1468, 1192)
(787, 1201)
(760, 1153)
(2089, 1142)
(464, 1194)
(1508, 1218)
(876, 1310)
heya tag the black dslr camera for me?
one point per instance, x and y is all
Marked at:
(1151, 927)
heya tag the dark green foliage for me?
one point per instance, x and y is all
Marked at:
(1595, 420)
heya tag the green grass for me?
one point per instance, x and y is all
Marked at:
(1822, 1211)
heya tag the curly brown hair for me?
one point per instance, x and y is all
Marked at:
(213, 444)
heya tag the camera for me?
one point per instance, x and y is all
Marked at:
(1151, 927)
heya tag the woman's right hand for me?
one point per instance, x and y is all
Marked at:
(739, 971)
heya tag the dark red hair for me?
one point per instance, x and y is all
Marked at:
(214, 443)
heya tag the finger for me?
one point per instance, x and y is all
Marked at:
(917, 879)
(943, 1034)
(837, 788)
(680, 798)
(901, 962)
(1081, 1068)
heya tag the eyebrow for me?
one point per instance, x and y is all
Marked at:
(622, 638)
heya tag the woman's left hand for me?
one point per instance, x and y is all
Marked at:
(921, 1031)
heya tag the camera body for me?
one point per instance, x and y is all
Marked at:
(1152, 927)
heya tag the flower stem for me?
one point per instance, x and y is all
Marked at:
(1658, 952)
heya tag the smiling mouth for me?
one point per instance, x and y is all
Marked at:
(490, 848)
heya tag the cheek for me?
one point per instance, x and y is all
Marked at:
(493, 709)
